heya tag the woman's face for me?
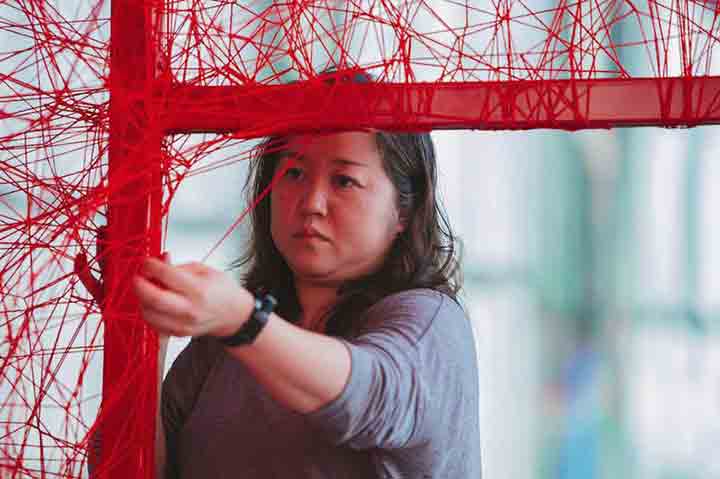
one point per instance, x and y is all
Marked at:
(333, 213)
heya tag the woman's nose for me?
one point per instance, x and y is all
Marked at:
(314, 200)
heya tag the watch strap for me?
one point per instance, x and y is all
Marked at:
(252, 327)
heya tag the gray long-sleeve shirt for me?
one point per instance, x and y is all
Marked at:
(409, 409)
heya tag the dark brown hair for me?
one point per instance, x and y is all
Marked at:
(424, 255)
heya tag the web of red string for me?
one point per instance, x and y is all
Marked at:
(54, 127)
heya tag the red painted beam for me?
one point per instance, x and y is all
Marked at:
(127, 417)
(558, 104)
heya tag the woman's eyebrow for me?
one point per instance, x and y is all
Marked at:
(289, 154)
(338, 160)
(345, 161)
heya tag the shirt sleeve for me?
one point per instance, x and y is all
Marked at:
(395, 363)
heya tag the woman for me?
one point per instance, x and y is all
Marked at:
(367, 367)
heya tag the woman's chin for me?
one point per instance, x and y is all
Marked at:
(311, 269)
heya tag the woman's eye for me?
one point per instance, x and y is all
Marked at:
(346, 182)
(293, 173)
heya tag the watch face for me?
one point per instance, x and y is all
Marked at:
(269, 303)
(252, 327)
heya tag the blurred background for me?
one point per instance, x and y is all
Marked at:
(592, 278)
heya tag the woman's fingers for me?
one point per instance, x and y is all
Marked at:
(172, 277)
(172, 296)
(159, 299)
(161, 323)
(165, 311)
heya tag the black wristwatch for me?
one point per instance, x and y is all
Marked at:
(252, 327)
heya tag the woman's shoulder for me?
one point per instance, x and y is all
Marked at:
(416, 310)
(419, 300)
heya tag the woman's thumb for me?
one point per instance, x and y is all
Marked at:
(166, 257)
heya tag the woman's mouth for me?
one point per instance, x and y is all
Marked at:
(310, 233)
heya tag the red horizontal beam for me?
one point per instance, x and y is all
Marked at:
(558, 104)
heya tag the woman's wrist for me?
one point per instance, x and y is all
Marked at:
(238, 314)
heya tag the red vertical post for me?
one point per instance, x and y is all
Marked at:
(128, 410)
(142, 111)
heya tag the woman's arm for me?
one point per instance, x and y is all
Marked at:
(300, 369)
